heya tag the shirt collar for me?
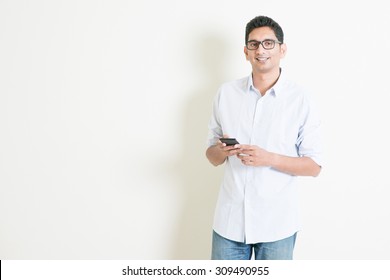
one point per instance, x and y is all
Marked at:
(250, 85)
(275, 90)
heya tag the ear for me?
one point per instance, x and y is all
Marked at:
(283, 50)
(246, 53)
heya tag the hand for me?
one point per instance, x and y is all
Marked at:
(226, 150)
(254, 156)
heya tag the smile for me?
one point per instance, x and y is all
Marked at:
(262, 59)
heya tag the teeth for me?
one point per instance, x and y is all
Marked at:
(262, 58)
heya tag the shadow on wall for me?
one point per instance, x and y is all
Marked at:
(199, 180)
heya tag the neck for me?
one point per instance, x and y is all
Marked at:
(265, 81)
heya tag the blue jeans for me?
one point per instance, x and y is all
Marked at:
(225, 249)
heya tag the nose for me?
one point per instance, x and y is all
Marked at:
(260, 49)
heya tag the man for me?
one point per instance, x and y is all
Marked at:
(278, 131)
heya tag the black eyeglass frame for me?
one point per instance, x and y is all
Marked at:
(261, 43)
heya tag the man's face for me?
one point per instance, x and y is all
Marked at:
(262, 60)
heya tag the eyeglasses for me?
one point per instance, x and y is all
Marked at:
(267, 44)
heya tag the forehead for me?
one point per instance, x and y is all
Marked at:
(261, 33)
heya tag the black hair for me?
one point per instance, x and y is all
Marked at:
(261, 21)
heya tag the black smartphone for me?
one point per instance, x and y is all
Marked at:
(229, 141)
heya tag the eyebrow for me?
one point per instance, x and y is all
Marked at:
(253, 40)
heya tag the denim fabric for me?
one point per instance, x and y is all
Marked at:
(225, 249)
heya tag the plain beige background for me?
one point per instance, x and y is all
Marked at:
(104, 108)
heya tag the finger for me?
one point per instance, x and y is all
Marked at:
(245, 153)
(233, 152)
(246, 147)
(246, 161)
(241, 155)
(220, 144)
(229, 148)
(244, 158)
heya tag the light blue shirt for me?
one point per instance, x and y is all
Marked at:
(260, 204)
